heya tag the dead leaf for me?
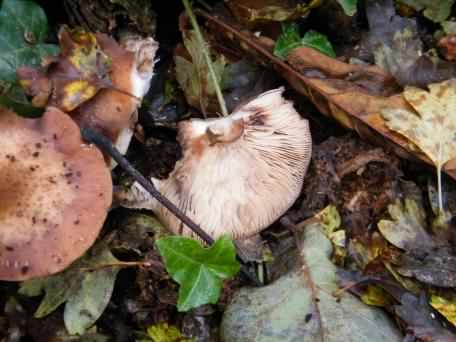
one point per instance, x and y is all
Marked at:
(406, 229)
(432, 128)
(299, 306)
(445, 303)
(73, 77)
(437, 268)
(193, 75)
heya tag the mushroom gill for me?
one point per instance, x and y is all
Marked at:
(238, 174)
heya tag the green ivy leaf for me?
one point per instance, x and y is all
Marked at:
(349, 6)
(437, 11)
(199, 271)
(86, 287)
(23, 28)
(290, 39)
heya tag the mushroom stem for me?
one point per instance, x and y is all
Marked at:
(106, 146)
(207, 57)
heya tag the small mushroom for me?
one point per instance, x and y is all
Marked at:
(55, 193)
(113, 111)
(238, 174)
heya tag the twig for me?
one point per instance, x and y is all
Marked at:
(207, 57)
(106, 145)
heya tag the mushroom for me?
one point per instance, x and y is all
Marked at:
(113, 111)
(238, 174)
(55, 193)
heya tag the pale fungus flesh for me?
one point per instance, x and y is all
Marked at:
(238, 174)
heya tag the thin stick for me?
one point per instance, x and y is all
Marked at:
(207, 57)
(106, 145)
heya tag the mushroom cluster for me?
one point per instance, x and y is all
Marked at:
(55, 190)
(55, 193)
(238, 174)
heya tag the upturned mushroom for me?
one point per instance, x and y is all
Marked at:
(55, 192)
(238, 174)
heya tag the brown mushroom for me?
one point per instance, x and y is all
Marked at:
(238, 174)
(55, 193)
(113, 110)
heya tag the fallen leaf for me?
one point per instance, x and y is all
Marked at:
(21, 43)
(299, 306)
(406, 230)
(437, 268)
(73, 77)
(445, 303)
(432, 128)
(193, 75)
(86, 287)
(290, 39)
(199, 271)
(251, 12)
(420, 319)
(436, 11)
(349, 6)
(163, 332)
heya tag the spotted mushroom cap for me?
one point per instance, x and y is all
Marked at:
(55, 193)
(240, 173)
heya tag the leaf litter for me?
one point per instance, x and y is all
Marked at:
(385, 220)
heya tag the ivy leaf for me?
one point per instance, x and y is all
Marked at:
(23, 28)
(431, 129)
(349, 6)
(199, 271)
(86, 287)
(290, 39)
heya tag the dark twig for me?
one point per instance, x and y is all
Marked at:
(106, 146)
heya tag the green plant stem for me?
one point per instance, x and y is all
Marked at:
(207, 57)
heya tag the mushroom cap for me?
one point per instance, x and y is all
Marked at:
(240, 173)
(55, 193)
(111, 111)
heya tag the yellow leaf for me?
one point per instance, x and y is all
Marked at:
(446, 305)
(375, 295)
(432, 128)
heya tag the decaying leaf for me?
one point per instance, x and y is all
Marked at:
(432, 128)
(251, 12)
(163, 332)
(193, 75)
(445, 303)
(300, 307)
(72, 78)
(21, 43)
(86, 287)
(437, 11)
(199, 271)
(407, 229)
(437, 268)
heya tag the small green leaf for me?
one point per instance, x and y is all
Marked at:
(290, 39)
(199, 271)
(23, 28)
(437, 11)
(349, 6)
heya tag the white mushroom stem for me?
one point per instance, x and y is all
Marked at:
(140, 78)
(238, 174)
